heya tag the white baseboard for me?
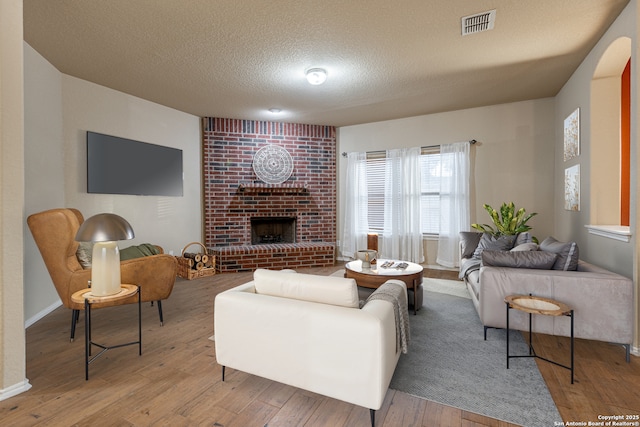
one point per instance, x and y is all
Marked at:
(41, 314)
(439, 267)
(635, 351)
(14, 390)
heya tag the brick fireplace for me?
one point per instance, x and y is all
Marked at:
(273, 230)
(302, 210)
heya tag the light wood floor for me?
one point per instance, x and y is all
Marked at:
(176, 381)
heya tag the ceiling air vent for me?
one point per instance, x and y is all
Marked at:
(479, 22)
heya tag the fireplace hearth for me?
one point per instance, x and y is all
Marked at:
(269, 230)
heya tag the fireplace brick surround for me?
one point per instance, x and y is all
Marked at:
(233, 194)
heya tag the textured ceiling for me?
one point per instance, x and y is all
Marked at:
(385, 59)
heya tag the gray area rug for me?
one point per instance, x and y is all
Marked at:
(450, 287)
(450, 363)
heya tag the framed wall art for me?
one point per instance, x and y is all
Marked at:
(572, 135)
(272, 164)
(572, 188)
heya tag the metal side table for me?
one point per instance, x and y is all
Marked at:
(85, 296)
(543, 306)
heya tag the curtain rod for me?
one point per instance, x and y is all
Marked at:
(472, 142)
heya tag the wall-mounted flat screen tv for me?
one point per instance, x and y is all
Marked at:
(123, 166)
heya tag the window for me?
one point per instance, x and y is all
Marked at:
(375, 191)
(430, 197)
(430, 183)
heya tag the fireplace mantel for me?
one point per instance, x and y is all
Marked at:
(270, 188)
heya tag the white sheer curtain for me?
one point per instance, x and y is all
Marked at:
(454, 201)
(402, 237)
(356, 224)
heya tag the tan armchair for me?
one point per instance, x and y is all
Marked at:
(54, 232)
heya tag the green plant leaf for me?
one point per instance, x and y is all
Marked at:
(485, 228)
(507, 220)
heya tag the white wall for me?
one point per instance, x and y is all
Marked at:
(604, 170)
(59, 110)
(12, 336)
(617, 256)
(512, 161)
(170, 222)
(577, 93)
(43, 170)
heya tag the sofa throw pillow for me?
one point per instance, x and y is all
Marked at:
(84, 254)
(307, 287)
(524, 237)
(468, 243)
(525, 247)
(519, 259)
(567, 253)
(492, 243)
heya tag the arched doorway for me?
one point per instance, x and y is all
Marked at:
(610, 136)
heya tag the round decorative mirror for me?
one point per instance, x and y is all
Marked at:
(272, 164)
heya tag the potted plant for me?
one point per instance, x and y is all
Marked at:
(507, 220)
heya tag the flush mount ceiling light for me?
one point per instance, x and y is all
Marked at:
(275, 110)
(316, 76)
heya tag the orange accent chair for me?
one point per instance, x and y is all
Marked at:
(54, 232)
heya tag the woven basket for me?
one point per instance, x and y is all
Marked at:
(187, 272)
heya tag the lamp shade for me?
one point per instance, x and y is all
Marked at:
(104, 227)
(104, 230)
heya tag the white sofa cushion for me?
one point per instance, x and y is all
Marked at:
(306, 287)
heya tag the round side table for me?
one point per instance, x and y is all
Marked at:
(85, 296)
(542, 306)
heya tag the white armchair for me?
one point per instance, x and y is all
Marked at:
(308, 332)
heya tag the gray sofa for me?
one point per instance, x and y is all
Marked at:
(602, 300)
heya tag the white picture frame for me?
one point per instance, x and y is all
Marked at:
(572, 135)
(572, 188)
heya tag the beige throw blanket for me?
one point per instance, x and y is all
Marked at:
(394, 293)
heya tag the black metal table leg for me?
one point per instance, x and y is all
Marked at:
(532, 352)
(87, 338)
(139, 323)
(572, 366)
(508, 307)
(83, 295)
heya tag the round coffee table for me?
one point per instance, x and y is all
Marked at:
(376, 275)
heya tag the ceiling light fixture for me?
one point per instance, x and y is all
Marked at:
(316, 76)
(275, 110)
